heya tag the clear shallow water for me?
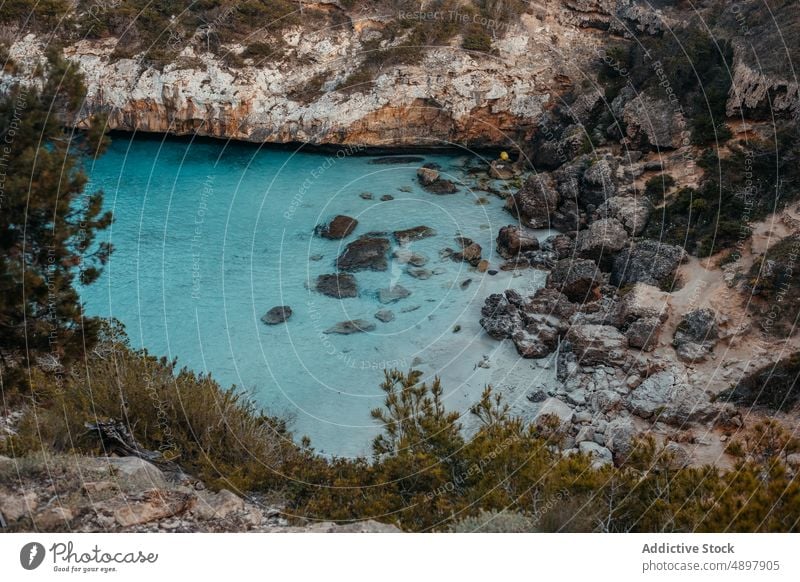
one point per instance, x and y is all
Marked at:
(209, 237)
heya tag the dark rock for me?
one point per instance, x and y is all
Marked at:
(365, 253)
(402, 160)
(338, 228)
(537, 395)
(366, 195)
(512, 241)
(471, 254)
(577, 279)
(351, 326)
(413, 234)
(338, 285)
(535, 202)
(429, 178)
(647, 261)
(465, 283)
(599, 182)
(387, 198)
(277, 315)
(562, 245)
(492, 272)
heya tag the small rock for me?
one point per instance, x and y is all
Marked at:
(218, 505)
(601, 456)
(387, 198)
(384, 315)
(366, 195)
(351, 326)
(277, 315)
(483, 266)
(537, 395)
(410, 308)
(53, 518)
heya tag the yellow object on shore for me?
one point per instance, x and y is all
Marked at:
(504, 156)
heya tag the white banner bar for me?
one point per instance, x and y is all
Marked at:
(399, 557)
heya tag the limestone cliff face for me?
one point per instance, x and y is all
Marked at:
(450, 96)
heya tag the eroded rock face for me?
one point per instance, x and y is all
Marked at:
(513, 241)
(647, 261)
(338, 228)
(535, 203)
(650, 122)
(365, 253)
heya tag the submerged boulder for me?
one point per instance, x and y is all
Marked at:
(277, 315)
(337, 285)
(413, 234)
(365, 253)
(430, 179)
(393, 294)
(339, 227)
(351, 326)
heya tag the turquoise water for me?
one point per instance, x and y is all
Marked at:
(209, 237)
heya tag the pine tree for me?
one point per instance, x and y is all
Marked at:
(49, 223)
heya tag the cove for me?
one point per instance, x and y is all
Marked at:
(209, 236)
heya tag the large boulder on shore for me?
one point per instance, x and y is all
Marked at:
(365, 253)
(647, 261)
(668, 397)
(534, 333)
(337, 285)
(512, 241)
(695, 335)
(576, 279)
(598, 344)
(602, 239)
(632, 212)
(535, 202)
(339, 227)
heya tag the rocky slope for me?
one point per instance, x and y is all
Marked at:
(452, 95)
(128, 494)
